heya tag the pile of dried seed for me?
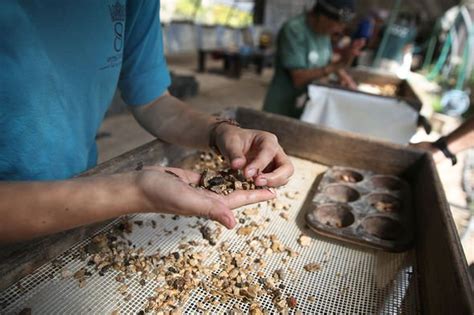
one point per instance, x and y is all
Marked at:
(210, 161)
(225, 181)
(217, 176)
(237, 275)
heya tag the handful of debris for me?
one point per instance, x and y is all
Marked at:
(225, 181)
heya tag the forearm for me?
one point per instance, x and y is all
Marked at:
(346, 80)
(173, 121)
(462, 138)
(302, 77)
(31, 209)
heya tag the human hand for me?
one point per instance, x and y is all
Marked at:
(167, 190)
(346, 80)
(350, 52)
(257, 152)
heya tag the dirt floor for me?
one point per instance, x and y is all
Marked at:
(217, 92)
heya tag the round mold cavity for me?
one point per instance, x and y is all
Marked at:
(386, 182)
(382, 227)
(384, 202)
(348, 176)
(341, 193)
(334, 215)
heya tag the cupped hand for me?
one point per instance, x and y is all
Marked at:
(168, 190)
(257, 152)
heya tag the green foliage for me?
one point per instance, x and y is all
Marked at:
(217, 14)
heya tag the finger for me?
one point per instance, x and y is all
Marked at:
(189, 177)
(210, 207)
(233, 149)
(262, 159)
(221, 213)
(280, 175)
(241, 198)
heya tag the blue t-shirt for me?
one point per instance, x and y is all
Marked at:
(60, 64)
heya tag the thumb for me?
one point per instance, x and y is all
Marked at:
(233, 149)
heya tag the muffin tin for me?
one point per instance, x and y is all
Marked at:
(362, 207)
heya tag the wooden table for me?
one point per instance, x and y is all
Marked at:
(234, 61)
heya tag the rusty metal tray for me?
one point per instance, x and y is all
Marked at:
(364, 208)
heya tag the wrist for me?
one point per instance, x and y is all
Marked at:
(327, 70)
(442, 146)
(131, 195)
(217, 131)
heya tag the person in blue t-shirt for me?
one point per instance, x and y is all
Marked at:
(61, 62)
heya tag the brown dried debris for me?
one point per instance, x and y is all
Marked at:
(292, 302)
(240, 275)
(292, 195)
(348, 178)
(212, 236)
(246, 230)
(386, 206)
(225, 181)
(312, 267)
(250, 211)
(304, 240)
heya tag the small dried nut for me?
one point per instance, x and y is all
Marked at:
(236, 311)
(66, 273)
(245, 230)
(284, 215)
(279, 274)
(348, 178)
(312, 267)
(201, 306)
(386, 206)
(292, 194)
(251, 211)
(123, 289)
(291, 302)
(80, 274)
(291, 253)
(277, 205)
(255, 309)
(233, 273)
(311, 298)
(281, 304)
(304, 240)
(238, 185)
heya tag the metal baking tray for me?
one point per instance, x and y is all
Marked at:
(364, 208)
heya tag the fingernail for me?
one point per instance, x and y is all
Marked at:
(251, 172)
(238, 160)
(262, 182)
(272, 190)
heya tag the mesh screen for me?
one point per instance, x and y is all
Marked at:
(351, 279)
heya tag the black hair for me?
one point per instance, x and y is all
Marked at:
(340, 10)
